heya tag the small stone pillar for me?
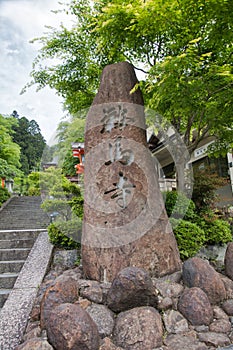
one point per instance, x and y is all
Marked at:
(125, 222)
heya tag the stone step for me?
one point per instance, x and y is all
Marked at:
(11, 266)
(16, 213)
(20, 226)
(7, 280)
(17, 243)
(3, 296)
(14, 234)
(14, 254)
(33, 226)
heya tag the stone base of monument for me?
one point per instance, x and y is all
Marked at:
(158, 257)
(191, 309)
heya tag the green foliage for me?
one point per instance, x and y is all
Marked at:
(34, 184)
(65, 199)
(217, 231)
(33, 191)
(28, 136)
(195, 230)
(65, 235)
(205, 185)
(9, 150)
(68, 166)
(190, 237)
(185, 47)
(178, 205)
(69, 132)
(77, 206)
(4, 195)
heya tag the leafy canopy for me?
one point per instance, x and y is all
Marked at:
(184, 48)
(9, 150)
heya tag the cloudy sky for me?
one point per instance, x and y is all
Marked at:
(21, 21)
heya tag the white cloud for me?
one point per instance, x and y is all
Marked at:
(21, 21)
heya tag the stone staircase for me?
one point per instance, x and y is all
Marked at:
(22, 213)
(21, 220)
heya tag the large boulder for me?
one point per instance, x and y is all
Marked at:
(174, 322)
(199, 273)
(228, 307)
(90, 290)
(138, 329)
(229, 260)
(70, 327)
(195, 306)
(214, 339)
(64, 290)
(131, 287)
(103, 317)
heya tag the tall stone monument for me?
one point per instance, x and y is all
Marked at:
(125, 222)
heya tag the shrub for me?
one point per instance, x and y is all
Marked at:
(217, 231)
(65, 234)
(204, 188)
(190, 237)
(178, 205)
(33, 191)
(76, 204)
(4, 195)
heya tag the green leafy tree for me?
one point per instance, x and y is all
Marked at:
(69, 132)
(9, 150)
(204, 189)
(28, 136)
(184, 48)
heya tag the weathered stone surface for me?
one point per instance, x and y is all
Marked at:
(228, 307)
(195, 306)
(220, 326)
(65, 258)
(103, 317)
(90, 290)
(164, 303)
(123, 208)
(35, 344)
(184, 342)
(33, 333)
(70, 327)
(199, 273)
(64, 290)
(202, 328)
(228, 283)
(105, 289)
(228, 261)
(75, 273)
(174, 322)
(131, 287)
(168, 289)
(138, 329)
(84, 303)
(214, 339)
(219, 314)
(175, 277)
(108, 345)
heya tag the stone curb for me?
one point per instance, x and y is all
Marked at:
(15, 313)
